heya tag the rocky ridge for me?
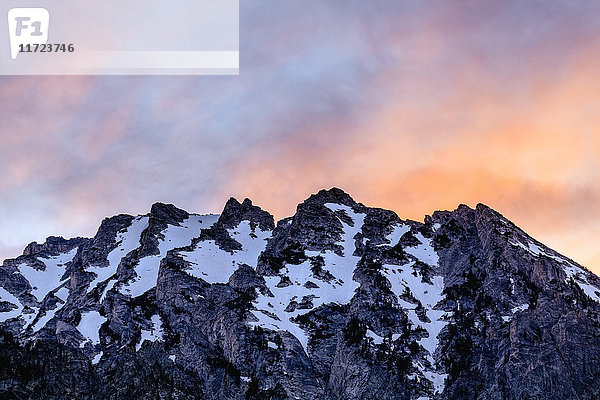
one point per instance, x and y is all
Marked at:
(339, 301)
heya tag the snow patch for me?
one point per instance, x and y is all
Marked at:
(423, 252)
(581, 280)
(521, 308)
(97, 358)
(214, 265)
(147, 275)
(128, 240)
(5, 295)
(44, 320)
(394, 237)
(376, 338)
(44, 281)
(62, 293)
(379, 339)
(107, 288)
(174, 237)
(155, 333)
(89, 326)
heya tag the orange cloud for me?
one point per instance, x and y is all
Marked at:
(534, 156)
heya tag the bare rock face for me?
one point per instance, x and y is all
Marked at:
(234, 213)
(339, 301)
(53, 246)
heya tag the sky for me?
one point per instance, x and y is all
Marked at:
(414, 106)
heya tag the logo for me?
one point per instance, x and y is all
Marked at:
(116, 46)
(27, 26)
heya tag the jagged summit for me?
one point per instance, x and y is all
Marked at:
(168, 213)
(236, 212)
(337, 301)
(53, 245)
(333, 195)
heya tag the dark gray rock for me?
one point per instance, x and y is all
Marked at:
(234, 213)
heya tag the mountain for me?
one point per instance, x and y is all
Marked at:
(339, 301)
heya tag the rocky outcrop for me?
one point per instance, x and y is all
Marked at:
(338, 301)
(234, 213)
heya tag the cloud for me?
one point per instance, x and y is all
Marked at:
(411, 105)
(525, 144)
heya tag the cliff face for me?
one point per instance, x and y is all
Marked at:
(340, 301)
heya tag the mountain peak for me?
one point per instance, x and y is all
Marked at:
(467, 215)
(168, 213)
(235, 212)
(333, 195)
(52, 246)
